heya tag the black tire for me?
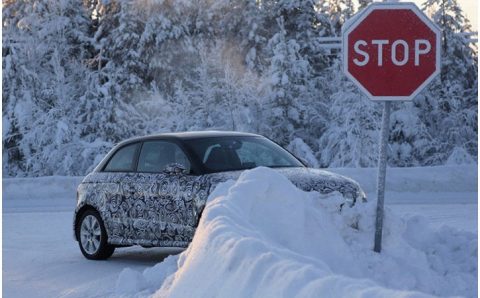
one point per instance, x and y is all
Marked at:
(101, 251)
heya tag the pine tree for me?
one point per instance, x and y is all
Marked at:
(351, 138)
(287, 76)
(45, 40)
(362, 4)
(213, 82)
(338, 11)
(410, 143)
(450, 104)
(117, 40)
(79, 76)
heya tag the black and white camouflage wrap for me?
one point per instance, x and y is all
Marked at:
(164, 209)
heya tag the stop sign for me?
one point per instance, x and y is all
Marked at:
(391, 51)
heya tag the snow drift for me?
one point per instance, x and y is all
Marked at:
(262, 237)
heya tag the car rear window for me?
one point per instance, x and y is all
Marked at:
(123, 160)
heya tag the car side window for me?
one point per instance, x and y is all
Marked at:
(156, 155)
(123, 160)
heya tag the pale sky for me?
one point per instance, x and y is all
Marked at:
(469, 7)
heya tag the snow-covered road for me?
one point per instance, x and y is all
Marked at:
(40, 256)
(41, 259)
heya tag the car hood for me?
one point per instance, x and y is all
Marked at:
(309, 179)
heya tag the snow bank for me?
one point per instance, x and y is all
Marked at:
(440, 179)
(40, 187)
(457, 178)
(460, 156)
(262, 237)
(52, 193)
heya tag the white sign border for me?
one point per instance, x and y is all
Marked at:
(351, 24)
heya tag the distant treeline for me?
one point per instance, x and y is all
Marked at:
(79, 76)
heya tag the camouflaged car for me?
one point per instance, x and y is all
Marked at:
(151, 191)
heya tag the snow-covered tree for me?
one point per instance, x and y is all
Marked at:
(44, 42)
(301, 150)
(338, 11)
(117, 40)
(351, 138)
(449, 109)
(410, 142)
(363, 4)
(215, 83)
(287, 78)
(79, 76)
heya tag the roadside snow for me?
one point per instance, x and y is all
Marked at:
(444, 179)
(41, 259)
(262, 237)
(52, 193)
(458, 181)
(40, 187)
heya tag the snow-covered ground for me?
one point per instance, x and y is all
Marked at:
(41, 259)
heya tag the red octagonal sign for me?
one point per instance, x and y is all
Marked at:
(391, 51)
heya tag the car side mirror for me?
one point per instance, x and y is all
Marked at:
(175, 169)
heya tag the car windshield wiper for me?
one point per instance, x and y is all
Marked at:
(284, 166)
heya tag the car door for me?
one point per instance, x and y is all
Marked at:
(117, 193)
(164, 211)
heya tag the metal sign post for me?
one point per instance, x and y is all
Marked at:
(382, 173)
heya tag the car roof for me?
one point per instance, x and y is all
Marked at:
(190, 135)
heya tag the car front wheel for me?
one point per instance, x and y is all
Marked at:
(92, 237)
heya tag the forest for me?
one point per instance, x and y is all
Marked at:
(82, 75)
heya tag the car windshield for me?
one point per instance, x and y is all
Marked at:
(219, 154)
